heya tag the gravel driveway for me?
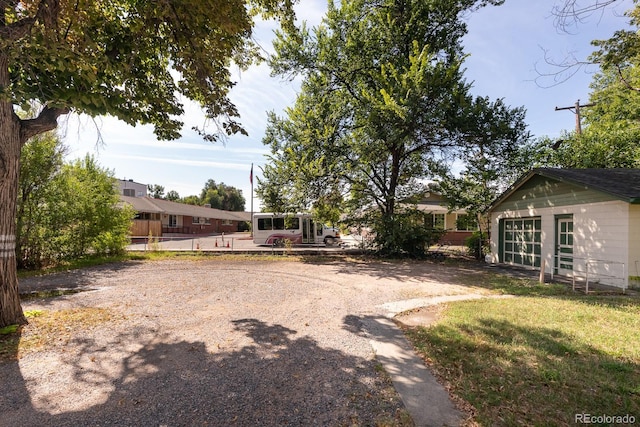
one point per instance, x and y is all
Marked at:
(217, 343)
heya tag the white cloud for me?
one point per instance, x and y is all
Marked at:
(183, 162)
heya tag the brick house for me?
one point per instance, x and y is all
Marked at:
(163, 217)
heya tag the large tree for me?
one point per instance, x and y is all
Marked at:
(383, 95)
(494, 139)
(41, 160)
(156, 191)
(135, 60)
(222, 196)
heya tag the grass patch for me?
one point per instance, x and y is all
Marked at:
(210, 256)
(508, 285)
(75, 264)
(51, 328)
(538, 360)
(49, 293)
(156, 256)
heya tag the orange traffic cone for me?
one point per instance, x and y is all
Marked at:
(227, 244)
(216, 243)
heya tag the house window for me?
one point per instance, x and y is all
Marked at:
(466, 222)
(146, 216)
(195, 220)
(227, 222)
(435, 221)
(522, 240)
(173, 221)
(130, 192)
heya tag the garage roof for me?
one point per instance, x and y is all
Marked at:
(621, 183)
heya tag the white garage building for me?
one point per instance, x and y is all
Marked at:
(579, 223)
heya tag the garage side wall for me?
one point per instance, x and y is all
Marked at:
(634, 243)
(600, 235)
(603, 229)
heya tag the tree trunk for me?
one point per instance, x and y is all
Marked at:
(10, 143)
(10, 308)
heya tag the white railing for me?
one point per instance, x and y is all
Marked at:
(588, 273)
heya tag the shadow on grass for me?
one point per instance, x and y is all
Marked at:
(74, 279)
(140, 378)
(515, 375)
(401, 270)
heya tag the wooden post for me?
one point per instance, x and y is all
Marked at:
(542, 271)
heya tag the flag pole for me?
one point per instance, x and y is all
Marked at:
(251, 180)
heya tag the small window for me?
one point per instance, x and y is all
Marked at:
(436, 221)
(265, 224)
(466, 222)
(195, 220)
(278, 223)
(130, 192)
(292, 223)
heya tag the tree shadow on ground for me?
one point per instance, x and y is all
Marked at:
(141, 379)
(78, 279)
(516, 375)
(401, 270)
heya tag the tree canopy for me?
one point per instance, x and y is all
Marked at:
(222, 196)
(491, 158)
(135, 60)
(66, 210)
(383, 98)
(130, 59)
(610, 123)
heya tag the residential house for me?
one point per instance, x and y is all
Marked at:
(131, 188)
(163, 217)
(458, 225)
(579, 223)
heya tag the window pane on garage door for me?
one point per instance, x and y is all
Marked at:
(521, 241)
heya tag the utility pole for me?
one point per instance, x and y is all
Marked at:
(576, 110)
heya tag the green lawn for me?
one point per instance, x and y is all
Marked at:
(538, 358)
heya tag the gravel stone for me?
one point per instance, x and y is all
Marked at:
(217, 343)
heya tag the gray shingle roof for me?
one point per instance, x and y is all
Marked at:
(621, 183)
(148, 204)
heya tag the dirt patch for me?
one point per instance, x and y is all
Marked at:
(422, 316)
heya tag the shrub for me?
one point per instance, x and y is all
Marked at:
(477, 245)
(405, 234)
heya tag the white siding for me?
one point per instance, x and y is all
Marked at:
(634, 240)
(601, 232)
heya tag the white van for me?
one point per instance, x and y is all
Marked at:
(274, 229)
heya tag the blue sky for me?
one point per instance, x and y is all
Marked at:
(506, 44)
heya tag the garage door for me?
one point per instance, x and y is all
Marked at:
(521, 241)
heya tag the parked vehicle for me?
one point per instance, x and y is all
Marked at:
(276, 229)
